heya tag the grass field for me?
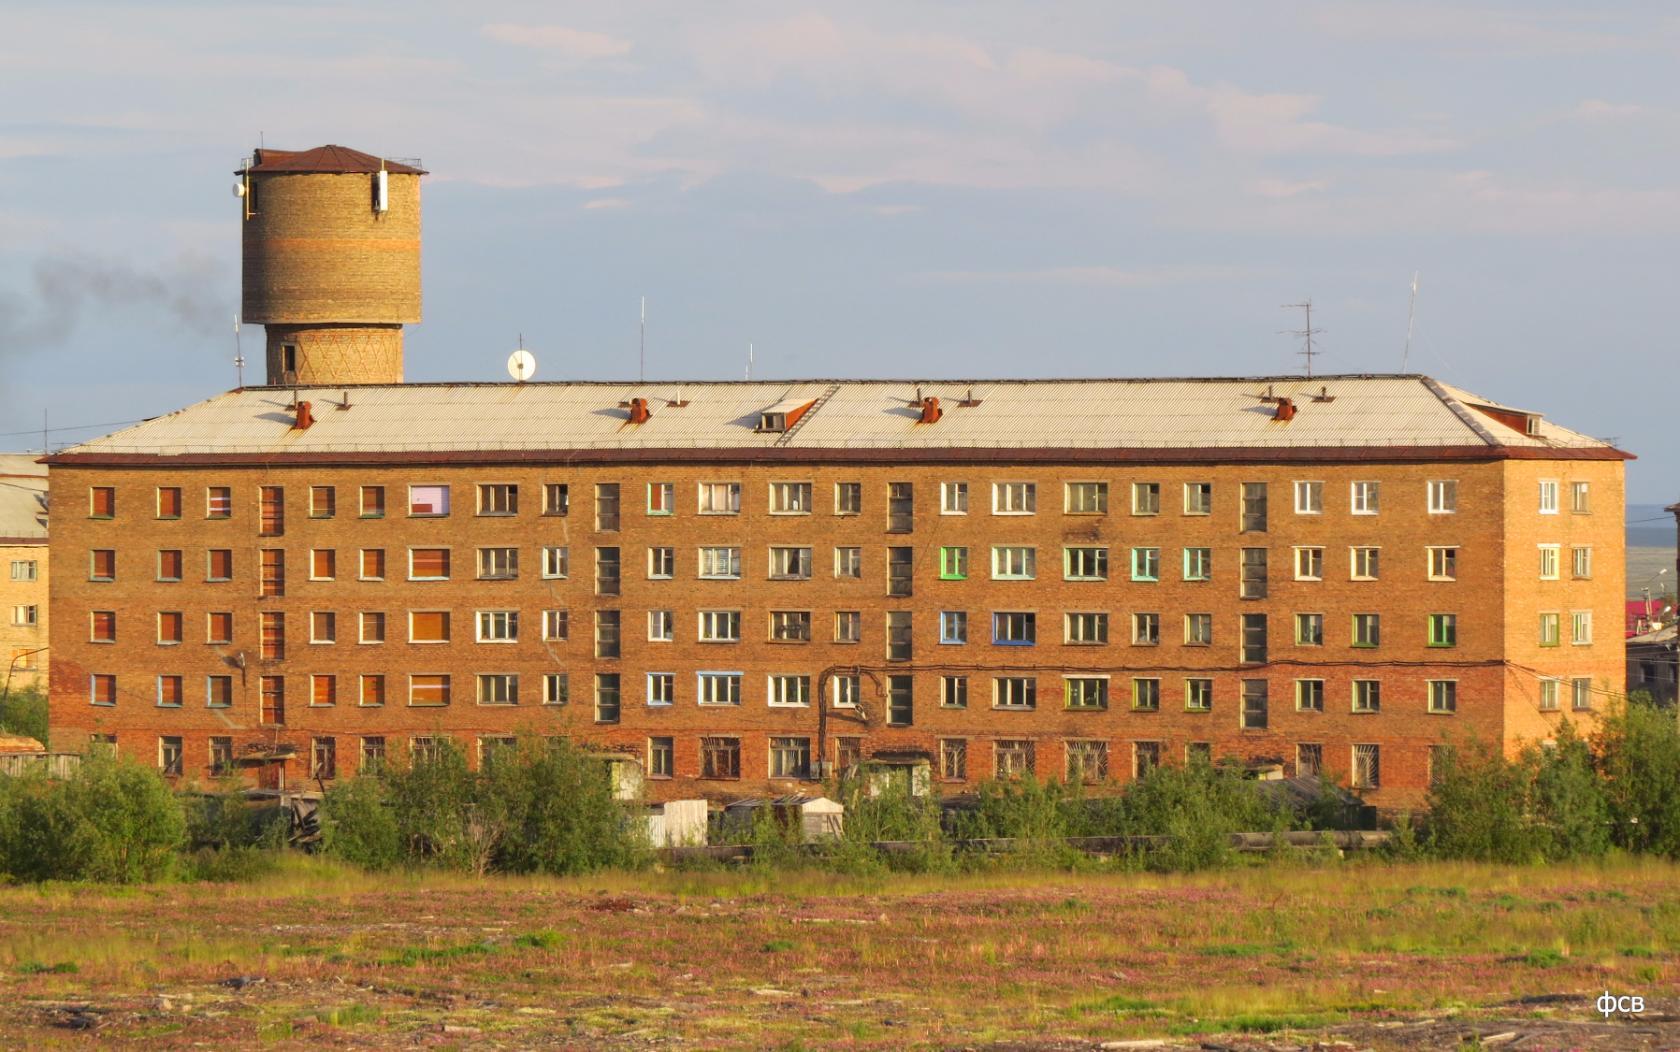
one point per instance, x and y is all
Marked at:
(327, 957)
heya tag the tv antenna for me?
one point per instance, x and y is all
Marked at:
(1306, 334)
(1411, 314)
(749, 361)
(521, 364)
(238, 355)
(641, 370)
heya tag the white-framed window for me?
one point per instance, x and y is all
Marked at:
(1198, 498)
(1198, 630)
(720, 626)
(1443, 695)
(372, 627)
(25, 570)
(26, 616)
(498, 498)
(662, 563)
(1443, 496)
(953, 626)
(848, 626)
(1014, 692)
(498, 688)
(1309, 498)
(720, 563)
(494, 564)
(1365, 563)
(790, 757)
(1085, 564)
(1551, 628)
(1367, 695)
(789, 691)
(1580, 693)
(1580, 498)
(498, 626)
(848, 498)
(1086, 628)
(1085, 498)
(1014, 498)
(844, 691)
(790, 562)
(662, 626)
(1549, 562)
(556, 498)
(661, 688)
(1580, 627)
(953, 498)
(1309, 630)
(953, 692)
(557, 562)
(661, 498)
(1309, 564)
(427, 564)
(1014, 563)
(1443, 563)
(719, 688)
(557, 625)
(1365, 497)
(720, 498)
(556, 688)
(1549, 692)
(1146, 629)
(848, 562)
(1548, 496)
(790, 498)
(790, 626)
(1146, 498)
(1198, 564)
(1580, 561)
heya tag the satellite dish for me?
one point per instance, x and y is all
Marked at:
(239, 188)
(521, 365)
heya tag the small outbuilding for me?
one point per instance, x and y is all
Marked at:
(816, 817)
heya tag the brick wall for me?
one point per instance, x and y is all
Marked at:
(17, 640)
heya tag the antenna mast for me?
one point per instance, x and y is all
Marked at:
(238, 355)
(1307, 333)
(1411, 313)
(749, 361)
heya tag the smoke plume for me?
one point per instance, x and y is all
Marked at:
(71, 290)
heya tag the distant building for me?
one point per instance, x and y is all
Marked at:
(23, 571)
(1653, 663)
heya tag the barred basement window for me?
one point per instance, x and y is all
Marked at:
(790, 758)
(1309, 759)
(1367, 767)
(1087, 762)
(1146, 756)
(720, 757)
(1086, 692)
(953, 759)
(1013, 758)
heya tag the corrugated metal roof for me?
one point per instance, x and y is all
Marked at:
(23, 497)
(329, 159)
(1143, 414)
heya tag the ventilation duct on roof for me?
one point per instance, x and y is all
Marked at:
(930, 411)
(1285, 410)
(305, 417)
(639, 412)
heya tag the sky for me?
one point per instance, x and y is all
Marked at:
(873, 189)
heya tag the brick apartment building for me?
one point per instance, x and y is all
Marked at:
(23, 572)
(738, 583)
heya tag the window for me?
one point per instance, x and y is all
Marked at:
(428, 689)
(1367, 630)
(323, 564)
(1146, 630)
(1014, 692)
(953, 564)
(1087, 761)
(1014, 563)
(1309, 498)
(425, 748)
(102, 502)
(1364, 498)
(1086, 629)
(953, 759)
(1012, 758)
(720, 563)
(169, 502)
(1367, 695)
(102, 689)
(790, 758)
(1198, 564)
(607, 626)
(661, 498)
(1011, 628)
(372, 627)
(372, 753)
(428, 626)
(25, 570)
(557, 625)
(323, 691)
(1580, 627)
(661, 688)
(218, 502)
(1309, 695)
(662, 758)
(1146, 564)
(1198, 752)
(789, 691)
(372, 691)
(1254, 507)
(102, 564)
(1309, 630)
(848, 626)
(1198, 694)
(790, 498)
(1198, 498)
(1085, 564)
(428, 564)
(373, 502)
(953, 626)
(1548, 496)
(169, 692)
(720, 626)
(102, 626)
(1549, 562)
(1253, 639)
(218, 627)
(1443, 496)
(1443, 695)
(720, 688)
(494, 564)
(953, 498)
(848, 498)
(1580, 560)
(1365, 563)
(662, 564)
(1309, 760)
(1253, 584)
(720, 757)
(272, 636)
(1550, 629)
(1367, 768)
(1580, 498)
(171, 756)
(1443, 564)
(323, 502)
(428, 500)
(1146, 498)
(556, 562)
(169, 564)
(1086, 498)
(1198, 630)
(953, 692)
(1309, 564)
(498, 626)
(1014, 498)
(790, 626)
(848, 562)
(1146, 694)
(720, 498)
(1146, 757)
(557, 498)
(323, 626)
(221, 754)
(790, 563)
(1549, 695)
(498, 498)
(901, 507)
(29, 616)
(1580, 691)
(1443, 630)
(845, 690)
(1255, 704)
(661, 626)
(606, 507)
(606, 697)
(498, 688)
(557, 688)
(899, 642)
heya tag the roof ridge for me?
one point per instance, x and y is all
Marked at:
(1460, 410)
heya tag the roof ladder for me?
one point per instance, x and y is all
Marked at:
(787, 436)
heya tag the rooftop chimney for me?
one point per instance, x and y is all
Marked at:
(930, 410)
(639, 411)
(304, 417)
(1285, 410)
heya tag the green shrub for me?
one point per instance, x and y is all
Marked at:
(1569, 798)
(888, 812)
(1480, 809)
(25, 712)
(358, 825)
(113, 821)
(1198, 805)
(1637, 748)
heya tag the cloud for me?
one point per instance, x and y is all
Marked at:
(564, 41)
(1599, 109)
(1104, 276)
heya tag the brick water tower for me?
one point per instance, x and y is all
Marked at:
(331, 262)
